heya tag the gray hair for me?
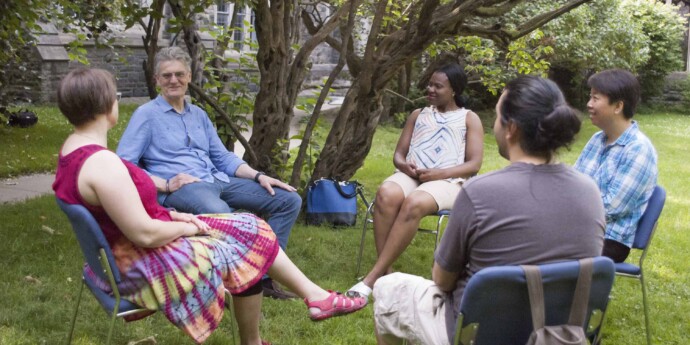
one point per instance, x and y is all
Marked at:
(172, 54)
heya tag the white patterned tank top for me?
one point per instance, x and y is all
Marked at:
(438, 139)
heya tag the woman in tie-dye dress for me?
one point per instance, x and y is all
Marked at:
(174, 262)
(440, 146)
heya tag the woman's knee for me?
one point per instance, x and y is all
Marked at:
(389, 194)
(417, 205)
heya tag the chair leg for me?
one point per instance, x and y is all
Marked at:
(438, 231)
(646, 312)
(74, 317)
(361, 242)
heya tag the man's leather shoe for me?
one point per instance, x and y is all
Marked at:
(271, 289)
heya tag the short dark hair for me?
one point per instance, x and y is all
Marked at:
(618, 85)
(457, 79)
(538, 108)
(86, 92)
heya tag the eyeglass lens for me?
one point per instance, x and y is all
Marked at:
(178, 75)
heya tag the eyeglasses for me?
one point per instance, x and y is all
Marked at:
(178, 75)
(118, 96)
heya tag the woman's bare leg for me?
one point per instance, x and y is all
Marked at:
(248, 314)
(416, 205)
(285, 272)
(389, 199)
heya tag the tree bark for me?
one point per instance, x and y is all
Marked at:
(282, 73)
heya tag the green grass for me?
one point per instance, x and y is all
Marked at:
(34, 149)
(39, 313)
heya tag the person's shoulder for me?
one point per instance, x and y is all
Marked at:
(145, 110)
(485, 180)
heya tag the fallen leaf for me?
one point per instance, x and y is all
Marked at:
(30, 279)
(48, 229)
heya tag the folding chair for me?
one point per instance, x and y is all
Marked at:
(369, 219)
(643, 236)
(495, 307)
(99, 257)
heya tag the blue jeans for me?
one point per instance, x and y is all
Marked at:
(280, 209)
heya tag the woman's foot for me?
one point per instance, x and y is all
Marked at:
(335, 304)
(359, 290)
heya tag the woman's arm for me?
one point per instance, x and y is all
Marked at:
(400, 155)
(105, 181)
(474, 154)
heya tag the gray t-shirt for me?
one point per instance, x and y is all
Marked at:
(523, 214)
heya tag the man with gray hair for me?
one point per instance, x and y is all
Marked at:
(176, 143)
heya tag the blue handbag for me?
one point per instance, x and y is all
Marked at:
(333, 202)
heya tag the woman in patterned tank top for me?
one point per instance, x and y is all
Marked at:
(439, 147)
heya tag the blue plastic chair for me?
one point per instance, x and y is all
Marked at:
(495, 307)
(99, 257)
(369, 219)
(643, 236)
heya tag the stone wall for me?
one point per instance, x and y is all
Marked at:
(49, 62)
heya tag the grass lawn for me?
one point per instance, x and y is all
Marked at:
(41, 260)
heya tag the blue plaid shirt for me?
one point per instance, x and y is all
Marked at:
(626, 173)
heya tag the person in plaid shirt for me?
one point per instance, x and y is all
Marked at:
(620, 158)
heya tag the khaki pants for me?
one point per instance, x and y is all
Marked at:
(410, 307)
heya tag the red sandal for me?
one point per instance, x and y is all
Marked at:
(335, 305)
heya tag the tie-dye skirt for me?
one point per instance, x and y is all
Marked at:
(187, 278)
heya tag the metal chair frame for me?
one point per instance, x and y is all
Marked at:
(646, 228)
(104, 266)
(369, 219)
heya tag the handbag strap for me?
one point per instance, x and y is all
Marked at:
(535, 290)
(342, 192)
(578, 311)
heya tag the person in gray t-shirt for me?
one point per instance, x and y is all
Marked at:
(534, 211)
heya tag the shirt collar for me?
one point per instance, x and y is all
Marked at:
(625, 138)
(166, 107)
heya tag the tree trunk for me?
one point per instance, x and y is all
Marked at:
(282, 73)
(192, 41)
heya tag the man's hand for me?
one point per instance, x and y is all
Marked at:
(180, 180)
(269, 182)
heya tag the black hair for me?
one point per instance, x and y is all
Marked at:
(618, 85)
(538, 108)
(457, 79)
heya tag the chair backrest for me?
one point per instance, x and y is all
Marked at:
(496, 299)
(646, 225)
(91, 239)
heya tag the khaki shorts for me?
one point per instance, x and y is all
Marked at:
(442, 191)
(410, 307)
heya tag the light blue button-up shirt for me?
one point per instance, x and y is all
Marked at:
(626, 173)
(164, 143)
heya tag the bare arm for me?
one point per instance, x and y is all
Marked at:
(105, 181)
(445, 280)
(403, 146)
(474, 154)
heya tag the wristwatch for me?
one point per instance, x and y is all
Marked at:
(256, 177)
